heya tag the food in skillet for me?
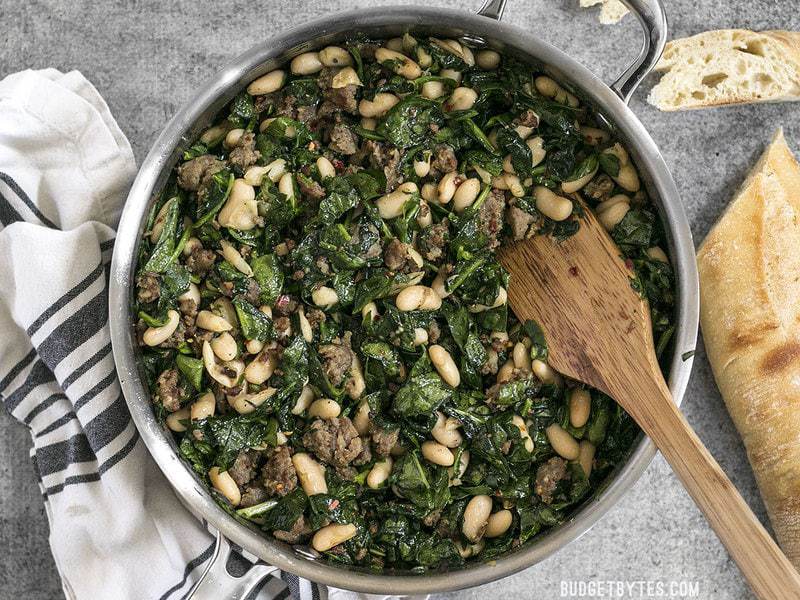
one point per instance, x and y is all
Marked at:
(324, 324)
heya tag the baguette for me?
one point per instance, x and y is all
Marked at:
(611, 11)
(729, 66)
(749, 268)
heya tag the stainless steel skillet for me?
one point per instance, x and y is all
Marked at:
(483, 29)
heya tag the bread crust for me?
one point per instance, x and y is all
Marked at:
(749, 268)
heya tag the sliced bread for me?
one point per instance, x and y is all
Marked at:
(729, 66)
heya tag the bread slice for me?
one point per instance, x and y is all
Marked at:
(729, 66)
(749, 267)
(611, 11)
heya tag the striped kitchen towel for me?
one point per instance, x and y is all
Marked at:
(117, 531)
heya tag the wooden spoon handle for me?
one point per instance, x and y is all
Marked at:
(769, 573)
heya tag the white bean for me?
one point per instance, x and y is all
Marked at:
(612, 216)
(325, 168)
(570, 187)
(462, 98)
(310, 473)
(227, 376)
(225, 485)
(424, 216)
(546, 86)
(545, 372)
(232, 255)
(580, 405)
(422, 167)
(476, 517)
(586, 456)
(498, 523)
(627, 178)
(334, 56)
(536, 145)
(429, 193)
(154, 336)
(203, 407)
(158, 223)
(361, 418)
(345, 77)
(286, 185)
(562, 442)
(488, 59)
(240, 210)
(261, 367)
(380, 473)
(552, 205)
(438, 284)
(522, 358)
(446, 432)
(332, 535)
(369, 123)
(246, 403)
(233, 137)
(266, 84)
(224, 346)
(356, 384)
(400, 63)
(445, 365)
(378, 106)
(395, 43)
(432, 90)
(437, 453)
(391, 205)
(520, 424)
(420, 336)
(305, 326)
(213, 135)
(324, 408)
(451, 74)
(417, 297)
(447, 187)
(211, 322)
(254, 346)
(324, 297)
(176, 420)
(306, 63)
(370, 310)
(303, 401)
(466, 194)
(656, 253)
(191, 245)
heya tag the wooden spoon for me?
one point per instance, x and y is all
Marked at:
(598, 332)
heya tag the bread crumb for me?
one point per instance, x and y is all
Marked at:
(611, 11)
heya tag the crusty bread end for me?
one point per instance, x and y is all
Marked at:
(749, 268)
(729, 66)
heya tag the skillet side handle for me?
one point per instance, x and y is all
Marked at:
(216, 582)
(653, 20)
(492, 9)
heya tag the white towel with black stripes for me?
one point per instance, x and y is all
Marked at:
(117, 531)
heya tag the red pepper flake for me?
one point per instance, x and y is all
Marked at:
(629, 263)
(338, 164)
(334, 503)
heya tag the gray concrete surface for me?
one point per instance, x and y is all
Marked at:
(146, 57)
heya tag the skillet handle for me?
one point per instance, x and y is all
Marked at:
(216, 582)
(653, 20)
(492, 9)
